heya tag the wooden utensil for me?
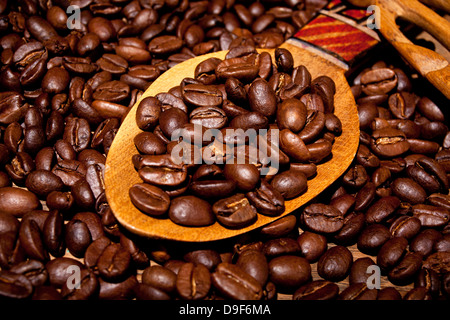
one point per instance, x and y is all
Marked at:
(120, 174)
(428, 63)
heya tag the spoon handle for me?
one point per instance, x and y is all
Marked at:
(430, 64)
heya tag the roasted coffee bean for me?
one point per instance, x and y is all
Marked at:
(53, 234)
(17, 201)
(208, 257)
(404, 272)
(149, 199)
(405, 226)
(378, 81)
(160, 170)
(359, 270)
(294, 146)
(382, 209)
(312, 245)
(254, 263)
(160, 277)
(429, 280)
(335, 263)
(86, 287)
(43, 182)
(290, 183)
(289, 272)
(317, 290)
(358, 291)
(389, 142)
(34, 270)
(266, 199)
(431, 216)
(235, 211)
(30, 237)
(235, 283)
(262, 98)
(280, 246)
(191, 211)
(372, 238)
(209, 117)
(15, 286)
(280, 227)
(200, 95)
(408, 190)
(114, 263)
(70, 171)
(77, 237)
(424, 242)
(193, 281)
(391, 253)
(322, 218)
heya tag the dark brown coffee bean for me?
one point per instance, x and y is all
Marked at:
(405, 226)
(262, 98)
(149, 199)
(17, 201)
(60, 269)
(406, 269)
(335, 263)
(294, 146)
(291, 114)
(266, 199)
(382, 209)
(372, 238)
(289, 183)
(322, 218)
(114, 263)
(378, 81)
(31, 240)
(193, 281)
(424, 242)
(13, 285)
(317, 290)
(358, 291)
(209, 117)
(288, 272)
(53, 234)
(280, 246)
(42, 182)
(431, 216)
(77, 237)
(359, 270)
(312, 245)
(191, 211)
(280, 227)
(391, 253)
(235, 283)
(254, 263)
(235, 211)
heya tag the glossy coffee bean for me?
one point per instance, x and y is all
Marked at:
(335, 263)
(235, 211)
(149, 199)
(193, 281)
(317, 290)
(235, 283)
(191, 211)
(322, 218)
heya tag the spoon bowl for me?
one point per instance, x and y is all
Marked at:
(120, 173)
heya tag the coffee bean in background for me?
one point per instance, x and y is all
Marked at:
(56, 102)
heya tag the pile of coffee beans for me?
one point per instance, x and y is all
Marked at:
(245, 106)
(63, 93)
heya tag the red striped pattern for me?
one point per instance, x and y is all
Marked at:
(338, 37)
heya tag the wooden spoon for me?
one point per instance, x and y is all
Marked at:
(428, 63)
(120, 174)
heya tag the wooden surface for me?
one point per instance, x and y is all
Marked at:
(120, 174)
